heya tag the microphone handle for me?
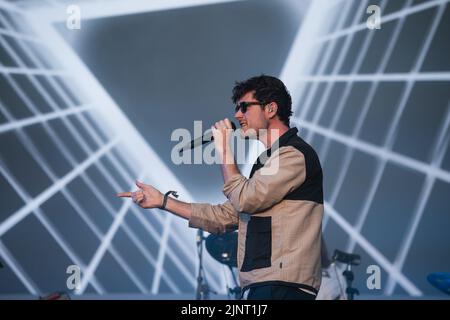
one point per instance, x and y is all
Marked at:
(204, 141)
(206, 138)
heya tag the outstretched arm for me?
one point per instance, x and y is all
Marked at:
(212, 218)
(149, 197)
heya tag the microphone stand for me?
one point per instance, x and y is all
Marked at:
(237, 289)
(202, 287)
(350, 259)
(349, 277)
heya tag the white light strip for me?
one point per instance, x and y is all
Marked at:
(95, 261)
(126, 267)
(373, 252)
(188, 274)
(16, 217)
(369, 98)
(161, 254)
(42, 118)
(64, 245)
(209, 263)
(425, 76)
(77, 136)
(112, 114)
(38, 212)
(54, 3)
(385, 19)
(398, 114)
(323, 64)
(337, 65)
(113, 251)
(82, 213)
(337, 115)
(100, 196)
(33, 71)
(110, 8)
(37, 156)
(33, 80)
(371, 149)
(293, 66)
(296, 62)
(378, 152)
(110, 179)
(127, 229)
(9, 6)
(176, 237)
(18, 35)
(180, 244)
(143, 249)
(114, 184)
(361, 117)
(365, 147)
(49, 130)
(45, 167)
(106, 203)
(438, 154)
(411, 230)
(18, 270)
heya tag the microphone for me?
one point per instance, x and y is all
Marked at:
(206, 138)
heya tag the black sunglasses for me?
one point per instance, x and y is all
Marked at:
(244, 105)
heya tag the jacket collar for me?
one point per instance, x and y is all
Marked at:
(282, 141)
(285, 137)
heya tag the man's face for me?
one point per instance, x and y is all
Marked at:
(253, 119)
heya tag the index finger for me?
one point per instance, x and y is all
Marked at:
(228, 123)
(124, 195)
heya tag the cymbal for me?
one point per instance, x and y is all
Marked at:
(223, 248)
(440, 280)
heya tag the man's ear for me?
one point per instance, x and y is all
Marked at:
(272, 109)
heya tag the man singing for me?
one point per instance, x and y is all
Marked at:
(278, 210)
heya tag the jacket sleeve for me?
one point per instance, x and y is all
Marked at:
(282, 173)
(216, 219)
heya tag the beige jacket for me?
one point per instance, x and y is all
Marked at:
(278, 215)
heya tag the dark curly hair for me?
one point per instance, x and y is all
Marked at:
(266, 89)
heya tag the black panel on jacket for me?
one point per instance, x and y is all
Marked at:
(258, 244)
(312, 188)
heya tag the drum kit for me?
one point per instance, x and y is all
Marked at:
(223, 248)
